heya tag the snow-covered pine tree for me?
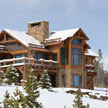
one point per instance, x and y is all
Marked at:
(7, 102)
(31, 88)
(18, 100)
(45, 82)
(78, 100)
(12, 76)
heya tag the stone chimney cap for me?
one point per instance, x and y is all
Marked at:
(37, 22)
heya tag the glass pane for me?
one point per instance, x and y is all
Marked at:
(77, 81)
(76, 56)
(62, 52)
(19, 56)
(55, 57)
(76, 42)
(67, 56)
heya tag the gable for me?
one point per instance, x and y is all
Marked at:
(81, 34)
(5, 37)
(10, 42)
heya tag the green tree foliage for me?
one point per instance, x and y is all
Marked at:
(45, 82)
(7, 100)
(19, 100)
(78, 100)
(16, 101)
(12, 76)
(31, 88)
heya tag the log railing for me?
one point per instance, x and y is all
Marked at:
(90, 68)
(27, 61)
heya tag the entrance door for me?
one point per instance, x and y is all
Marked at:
(53, 79)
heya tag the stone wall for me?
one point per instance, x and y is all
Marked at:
(68, 77)
(39, 30)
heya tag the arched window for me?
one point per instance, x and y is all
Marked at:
(76, 42)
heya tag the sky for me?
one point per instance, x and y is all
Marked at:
(90, 15)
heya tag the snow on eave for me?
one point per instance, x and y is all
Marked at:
(22, 37)
(36, 22)
(90, 52)
(64, 34)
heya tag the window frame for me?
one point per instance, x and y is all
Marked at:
(76, 54)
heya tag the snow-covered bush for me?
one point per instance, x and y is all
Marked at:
(45, 82)
(12, 76)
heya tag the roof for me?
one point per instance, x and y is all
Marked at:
(64, 34)
(90, 52)
(23, 37)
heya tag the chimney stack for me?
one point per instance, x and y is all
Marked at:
(39, 30)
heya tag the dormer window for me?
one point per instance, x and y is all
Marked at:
(76, 42)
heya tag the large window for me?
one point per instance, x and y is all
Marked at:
(55, 57)
(62, 52)
(76, 56)
(64, 56)
(38, 55)
(76, 42)
(67, 52)
(77, 81)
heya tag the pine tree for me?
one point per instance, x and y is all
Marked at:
(16, 101)
(31, 88)
(7, 102)
(45, 82)
(78, 100)
(12, 76)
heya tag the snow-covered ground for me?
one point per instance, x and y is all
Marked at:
(59, 98)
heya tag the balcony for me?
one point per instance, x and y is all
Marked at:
(37, 64)
(90, 69)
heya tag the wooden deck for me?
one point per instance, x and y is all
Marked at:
(36, 64)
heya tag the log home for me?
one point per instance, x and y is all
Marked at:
(64, 54)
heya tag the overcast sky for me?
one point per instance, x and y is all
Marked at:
(90, 15)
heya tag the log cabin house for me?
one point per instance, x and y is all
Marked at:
(64, 54)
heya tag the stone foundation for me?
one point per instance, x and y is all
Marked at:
(68, 77)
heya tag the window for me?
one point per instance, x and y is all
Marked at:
(19, 56)
(62, 52)
(76, 42)
(76, 56)
(38, 55)
(55, 57)
(64, 56)
(77, 81)
(67, 56)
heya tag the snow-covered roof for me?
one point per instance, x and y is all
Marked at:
(64, 34)
(23, 37)
(90, 52)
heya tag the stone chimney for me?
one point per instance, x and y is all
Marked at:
(39, 30)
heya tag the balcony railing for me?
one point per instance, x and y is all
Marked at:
(90, 68)
(28, 61)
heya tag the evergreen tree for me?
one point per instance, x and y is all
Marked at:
(99, 79)
(45, 82)
(12, 76)
(31, 88)
(7, 102)
(78, 100)
(16, 101)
